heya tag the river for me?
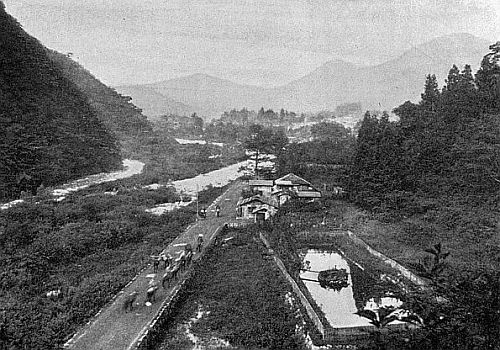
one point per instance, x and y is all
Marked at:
(191, 186)
(130, 168)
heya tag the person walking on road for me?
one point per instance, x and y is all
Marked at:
(217, 210)
(199, 244)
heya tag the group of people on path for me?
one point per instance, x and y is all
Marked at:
(171, 266)
(203, 212)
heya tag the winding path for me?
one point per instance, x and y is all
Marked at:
(114, 329)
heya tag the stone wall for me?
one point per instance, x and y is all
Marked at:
(152, 333)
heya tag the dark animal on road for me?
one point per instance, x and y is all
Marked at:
(151, 293)
(128, 302)
(169, 275)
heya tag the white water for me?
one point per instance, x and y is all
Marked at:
(131, 167)
(198, 142)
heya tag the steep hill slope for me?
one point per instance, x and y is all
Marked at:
(48, 131)
(116, 112)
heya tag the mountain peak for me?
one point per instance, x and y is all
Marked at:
(337, 64)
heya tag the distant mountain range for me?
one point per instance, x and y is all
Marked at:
(381, 87)
(154, 104)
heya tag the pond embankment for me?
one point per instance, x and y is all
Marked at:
(374, 282)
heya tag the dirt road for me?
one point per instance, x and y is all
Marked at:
(115, 329)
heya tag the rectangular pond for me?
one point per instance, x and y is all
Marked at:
(338, 306)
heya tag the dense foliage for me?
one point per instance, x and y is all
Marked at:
(48, 131)
(180, 126)
(325, 159)
(446, 146)
(436, 171)
(261, 142)
(120, 117)
(267, 118)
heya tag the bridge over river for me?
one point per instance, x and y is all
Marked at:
(114, 329)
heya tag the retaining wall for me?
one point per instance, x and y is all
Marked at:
(395, 265)
(309, 309)
(149, 337)
(329, 236)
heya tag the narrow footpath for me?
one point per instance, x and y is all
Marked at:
(113, 328)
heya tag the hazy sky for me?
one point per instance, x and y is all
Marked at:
(260, 42)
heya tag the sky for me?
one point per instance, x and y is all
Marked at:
(256, 42)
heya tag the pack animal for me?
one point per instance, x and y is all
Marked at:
(151, 293)
(181, 261)
(128, 302)
(170, 274)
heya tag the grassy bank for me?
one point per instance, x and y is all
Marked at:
(406, 238)
(239, 297)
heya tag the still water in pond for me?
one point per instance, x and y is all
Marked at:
(338, 306)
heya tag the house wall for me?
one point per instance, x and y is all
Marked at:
(264, 190)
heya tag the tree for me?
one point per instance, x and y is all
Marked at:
(380, 318)
(453, 79)
(431, 95)
(433, 267)
(378, 167)
(333, 132)
(197, 123)
(488, 79)
(263, 141)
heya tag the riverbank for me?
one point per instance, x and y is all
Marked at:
(130, 168)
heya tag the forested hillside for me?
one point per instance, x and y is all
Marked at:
(115, 111)
(439, 164)
(445, 148)
(48, 132)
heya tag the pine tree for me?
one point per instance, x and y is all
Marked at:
(453, 79)
(488, 79)
(431, 95)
